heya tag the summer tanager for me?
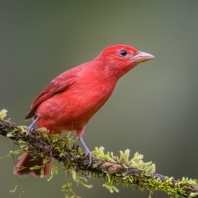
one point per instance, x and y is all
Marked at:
(72, 98)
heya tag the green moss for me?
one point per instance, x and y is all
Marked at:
(3, 114)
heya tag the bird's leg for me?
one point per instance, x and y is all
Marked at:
(87, 151)
(79, 134)
(31, 125)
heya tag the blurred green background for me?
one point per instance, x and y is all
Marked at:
(153, 109)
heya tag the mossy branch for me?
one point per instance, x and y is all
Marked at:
(113, 169)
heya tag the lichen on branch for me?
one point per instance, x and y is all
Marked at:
(113, 169)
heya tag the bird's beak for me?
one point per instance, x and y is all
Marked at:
(142, 57)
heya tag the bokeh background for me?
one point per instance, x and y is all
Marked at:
(154, 108)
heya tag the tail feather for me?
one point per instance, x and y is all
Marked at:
(27, 162)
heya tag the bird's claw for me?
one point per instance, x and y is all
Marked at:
(90, 157)
(30, 128)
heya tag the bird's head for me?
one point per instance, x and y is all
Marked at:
(122, 58)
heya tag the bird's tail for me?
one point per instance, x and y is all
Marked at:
(24, 165)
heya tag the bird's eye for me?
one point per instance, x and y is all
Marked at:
(123, 52)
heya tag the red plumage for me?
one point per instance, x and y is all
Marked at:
(72, 98)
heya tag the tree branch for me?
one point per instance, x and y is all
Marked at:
(114, 170)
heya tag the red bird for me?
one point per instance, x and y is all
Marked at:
(73, 97)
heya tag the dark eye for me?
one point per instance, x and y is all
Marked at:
(123, 52)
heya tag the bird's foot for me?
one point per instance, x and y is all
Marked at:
(30, 128)
(87, 151)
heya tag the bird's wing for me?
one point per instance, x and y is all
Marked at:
(59, 84)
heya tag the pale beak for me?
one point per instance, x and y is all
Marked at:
(142, 57)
